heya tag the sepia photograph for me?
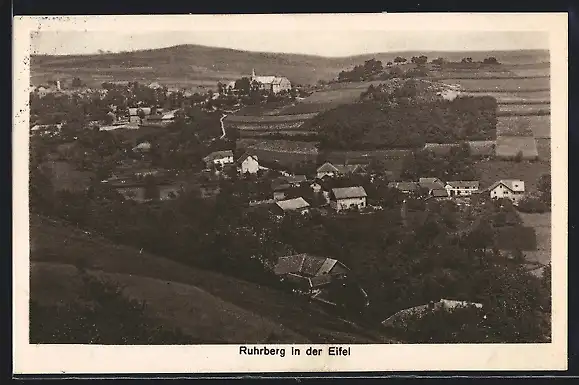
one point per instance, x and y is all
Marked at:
(289, 192)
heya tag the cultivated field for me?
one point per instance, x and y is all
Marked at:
(539, 126)
(508, 147)
(502, 85)
(524, 109)
(268, 118)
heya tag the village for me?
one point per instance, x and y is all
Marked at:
(137, 120)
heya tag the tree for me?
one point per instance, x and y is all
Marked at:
(399, 60)
(141, 114)
(519, 157)
(243, 85)
(491, 60)
(419, 60)
(544, 187)
(76, 82)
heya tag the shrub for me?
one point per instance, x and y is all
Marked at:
(533, 205)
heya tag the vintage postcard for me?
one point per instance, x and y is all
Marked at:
(290, 193)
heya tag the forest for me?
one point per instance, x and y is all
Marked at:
(403, 120)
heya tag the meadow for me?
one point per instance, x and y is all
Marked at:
(538, 126)
(524, 109)
(508, 147)
(502, 85)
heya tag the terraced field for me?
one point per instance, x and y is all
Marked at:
(502, 85)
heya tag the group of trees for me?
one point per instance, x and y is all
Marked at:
(366, 71)
(377, 123)
(457, 165)
(540, 203)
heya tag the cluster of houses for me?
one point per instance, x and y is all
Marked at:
(434, 188)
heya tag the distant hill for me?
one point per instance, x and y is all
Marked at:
(208, 307)
(195, 65)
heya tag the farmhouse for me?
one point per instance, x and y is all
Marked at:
(348, 197)
(248, 164)
(309, 272)
(507, 188)
(461, 188)
(431, 184)
(220, 158)
(274, 84)
(293, 205)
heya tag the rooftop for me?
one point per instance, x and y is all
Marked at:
(293, 204)
(349, 192)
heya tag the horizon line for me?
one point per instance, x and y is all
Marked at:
(284, 53)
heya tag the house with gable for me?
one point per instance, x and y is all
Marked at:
(248, 163)
(274, 84)
(344, 198)
(512, 189)
(309, 272)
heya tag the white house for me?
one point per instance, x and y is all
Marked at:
(348, 197)
(248, 164)
(461, 188)
(220, 158)
(512, 189)
(274, 84)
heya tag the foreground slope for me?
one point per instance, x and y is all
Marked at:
(208, 307)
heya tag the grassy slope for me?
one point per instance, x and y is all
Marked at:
(202, 303)
(200, 64)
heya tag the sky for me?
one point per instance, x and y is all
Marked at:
(315, 42)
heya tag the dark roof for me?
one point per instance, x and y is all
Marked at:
(245, 156)
(218, 155)
(439, 193)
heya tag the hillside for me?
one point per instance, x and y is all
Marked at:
(207, 307)
(195, 65)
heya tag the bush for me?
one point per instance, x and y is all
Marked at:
(533, 205)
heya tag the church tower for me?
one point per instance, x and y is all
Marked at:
(253, 74)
